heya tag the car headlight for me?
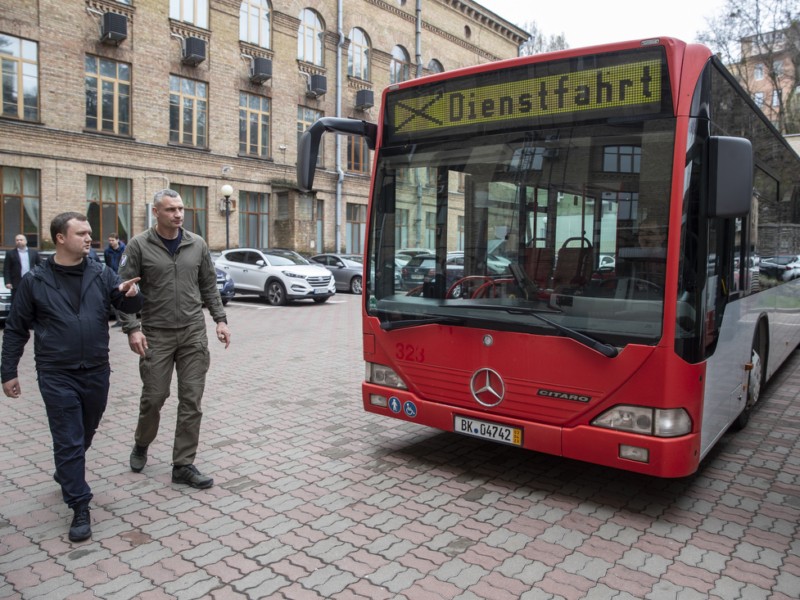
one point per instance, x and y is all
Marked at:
(295, 275)
(383, 375)
(658, 422)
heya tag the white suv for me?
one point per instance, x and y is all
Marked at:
(278, 275)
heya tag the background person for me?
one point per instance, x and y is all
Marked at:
(112, 255)
(18, 261)
(66, 301)
(177, 277)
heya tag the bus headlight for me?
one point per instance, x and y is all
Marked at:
(657, 422)
(383, 375)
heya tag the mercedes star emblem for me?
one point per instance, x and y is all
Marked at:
(487, 387)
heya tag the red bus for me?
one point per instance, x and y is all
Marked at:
(599, 243)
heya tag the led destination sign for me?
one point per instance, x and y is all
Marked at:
(629, 88)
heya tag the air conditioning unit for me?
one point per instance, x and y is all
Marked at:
(317, 86)
(114, 28)
(194, 51)
(365, 99)
(261, 70)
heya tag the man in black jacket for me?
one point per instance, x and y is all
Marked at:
(18, 261)
(66, 300)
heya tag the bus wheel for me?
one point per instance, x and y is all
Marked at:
(755, 379)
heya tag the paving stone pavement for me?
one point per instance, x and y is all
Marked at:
(313, 498)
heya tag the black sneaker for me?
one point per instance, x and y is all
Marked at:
(189, 475)
(138, 458)
(81, 528)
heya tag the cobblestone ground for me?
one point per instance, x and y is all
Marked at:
(316, 499)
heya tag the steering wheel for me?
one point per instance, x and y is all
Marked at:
(456, 289)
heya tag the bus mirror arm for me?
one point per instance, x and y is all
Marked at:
(308, 149)
(730, 182)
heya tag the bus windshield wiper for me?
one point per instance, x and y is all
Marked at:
(433, 320)
(601, 347)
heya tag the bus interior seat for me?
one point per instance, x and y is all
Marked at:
(574, 264)
(539, 265)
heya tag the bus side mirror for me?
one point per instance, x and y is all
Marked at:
(730, 172)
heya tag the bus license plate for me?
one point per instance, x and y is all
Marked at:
(488, 431)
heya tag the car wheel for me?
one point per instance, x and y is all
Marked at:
(276, 293)
(321, 300)
(355, 285)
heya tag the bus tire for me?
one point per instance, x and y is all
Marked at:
(755, 380)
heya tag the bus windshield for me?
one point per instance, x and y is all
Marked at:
(568, 223)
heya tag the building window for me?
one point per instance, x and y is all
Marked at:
(188, 111)
(254, 25)
(310, 38)
(358, 54)
(399, 65)
(108, 95)
(357, 154)
(777, 68)
(195, 208)
(401, 228)
(19, 205)
(622, 159)
(434, 66)
(306, 117)
(776, 98)
(430, 229)
(758, 98)
(108, 208)
(758, 72)
(19, 66)
(254, 125)
(253, 219)
(356, 228)
(190, 11)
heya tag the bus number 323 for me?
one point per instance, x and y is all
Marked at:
(410, 352)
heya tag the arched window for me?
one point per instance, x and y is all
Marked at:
(358, 54)
(434, 66)
(310, 37)
(399, 66)
(254, 22)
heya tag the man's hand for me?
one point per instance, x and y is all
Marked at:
(224, 334)
(11, 388)
(138, 342)
(129, 288)
(9, 286)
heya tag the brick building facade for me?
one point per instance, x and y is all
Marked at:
(99, 111)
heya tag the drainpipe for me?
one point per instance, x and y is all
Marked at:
(418, 38)
(339, 170)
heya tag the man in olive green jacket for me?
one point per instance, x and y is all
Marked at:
(177, 277)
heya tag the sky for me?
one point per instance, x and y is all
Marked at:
(590, 22)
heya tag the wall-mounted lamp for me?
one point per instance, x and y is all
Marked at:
(227, 192)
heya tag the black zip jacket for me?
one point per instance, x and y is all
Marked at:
(63, 339)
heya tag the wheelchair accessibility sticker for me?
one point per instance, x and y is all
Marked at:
(410, 409)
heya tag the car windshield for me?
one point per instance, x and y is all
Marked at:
(519, 221)
(283, 258)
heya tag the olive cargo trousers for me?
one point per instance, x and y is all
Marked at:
(186, 350)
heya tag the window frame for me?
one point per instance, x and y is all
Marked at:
(263, 118)
(261, 10)
(19, 65)
(311, 38)
(197, 114)
(120, 95)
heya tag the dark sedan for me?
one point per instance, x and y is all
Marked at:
(225, 286)
(347, 270)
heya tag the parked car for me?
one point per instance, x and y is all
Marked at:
(225, 285)
(422, 269)
(277, 274)
(347, 270)
(782, 268)
(5, 300)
